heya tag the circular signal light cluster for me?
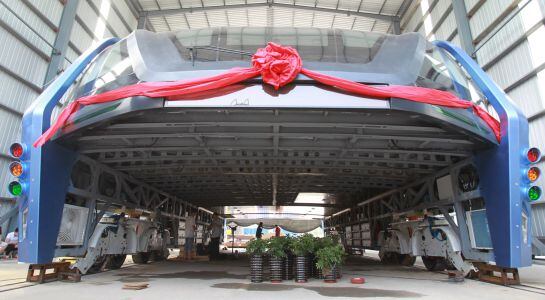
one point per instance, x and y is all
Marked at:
(15, 188)
(533, 155)
(17, 169)
(534, 193)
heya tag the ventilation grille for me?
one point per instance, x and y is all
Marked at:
(74, 220)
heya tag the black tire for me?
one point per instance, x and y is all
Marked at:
(389, 258)
(158, 255)
(141, 257)
(384, 257)
(116, 261)
(434, 264)
(407, 260)
(450, 265)
(97, 266)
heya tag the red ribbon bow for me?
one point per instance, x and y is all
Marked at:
(278, 65)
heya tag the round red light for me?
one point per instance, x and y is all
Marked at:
(16, 150)
(533, 155)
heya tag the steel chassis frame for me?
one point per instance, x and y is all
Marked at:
(139, 195)
(414, 197)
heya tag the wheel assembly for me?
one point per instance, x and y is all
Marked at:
(433, 263)
(141, 257)
(407, 259)
(116, 261)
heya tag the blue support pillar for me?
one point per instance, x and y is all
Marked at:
(42, 202)
(500, 171)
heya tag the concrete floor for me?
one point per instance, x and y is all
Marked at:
(228, 279)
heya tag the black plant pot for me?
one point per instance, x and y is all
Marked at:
(330, 276)
(316, 273)
(288, 267)
(309, 263)
(256, 268)
(319, 274)
(276, 269)
(300, 269)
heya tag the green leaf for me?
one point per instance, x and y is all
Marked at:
(329, 257)
(256, 247)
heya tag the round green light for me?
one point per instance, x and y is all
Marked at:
(534, 193)
(15, 188)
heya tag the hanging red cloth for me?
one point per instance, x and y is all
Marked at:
(278, 66)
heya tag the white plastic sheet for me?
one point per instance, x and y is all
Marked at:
(292, 225)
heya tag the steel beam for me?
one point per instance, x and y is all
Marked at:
(61, 41)
(272, 149)
(163, 12)
(142, 21)
(464, 31)
(396, 26)
(267, 135)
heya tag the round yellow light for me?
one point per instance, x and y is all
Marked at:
(16, 169)
(533, 174)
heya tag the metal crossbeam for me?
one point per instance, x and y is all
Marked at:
(165, 12)
(320, 150)
(445, 139)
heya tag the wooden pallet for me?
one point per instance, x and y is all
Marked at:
(487, 273)
(72, 275)
(43, 275)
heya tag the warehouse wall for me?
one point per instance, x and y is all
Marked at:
(28, 29)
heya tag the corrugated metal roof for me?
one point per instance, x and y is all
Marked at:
(363, 15)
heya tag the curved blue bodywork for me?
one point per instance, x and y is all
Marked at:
(500, 171)
(40, 210)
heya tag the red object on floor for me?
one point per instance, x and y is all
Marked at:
(357, 280)
(277, 65)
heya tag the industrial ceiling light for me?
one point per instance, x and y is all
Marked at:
(311, 198)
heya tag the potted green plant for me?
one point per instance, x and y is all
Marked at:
(256, 248)
(301, 247)
(329, 259)
(276, 251)
(319, 244)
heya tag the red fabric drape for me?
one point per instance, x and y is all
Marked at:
(278, 66)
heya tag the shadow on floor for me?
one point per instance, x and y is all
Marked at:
(324, 291)
(204, 275)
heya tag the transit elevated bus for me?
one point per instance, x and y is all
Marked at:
(165, 124)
